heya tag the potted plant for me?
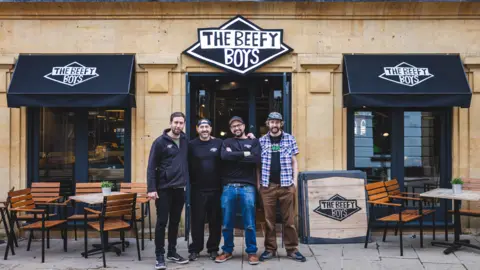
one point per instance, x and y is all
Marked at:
(106, 188)
(457, 185)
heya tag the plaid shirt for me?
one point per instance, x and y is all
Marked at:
(288, 149)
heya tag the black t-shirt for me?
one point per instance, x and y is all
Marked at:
(205, 164)
(275, 165)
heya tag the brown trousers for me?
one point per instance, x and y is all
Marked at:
(286, 198)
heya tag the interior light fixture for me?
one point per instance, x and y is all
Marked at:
(217, 80)
(266, 80)
(222, 133)
(386, 134)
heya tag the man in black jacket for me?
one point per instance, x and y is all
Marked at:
(204, 168)
(241, 156)
(167, 176)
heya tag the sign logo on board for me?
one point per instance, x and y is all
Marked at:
(406, 74)
(72, 74)
(238, 46)
(337, 208)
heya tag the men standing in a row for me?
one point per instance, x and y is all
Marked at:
(167, 176)
(278, 181)
(204, 167)
(241, 156)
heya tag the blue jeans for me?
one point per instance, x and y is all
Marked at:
(246, 197)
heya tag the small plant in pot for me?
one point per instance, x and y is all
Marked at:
(106, 188)
(457, 185)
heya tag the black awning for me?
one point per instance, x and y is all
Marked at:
(74, 80)
(397, 80)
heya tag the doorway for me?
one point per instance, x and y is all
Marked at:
(410, 145)
(219, 97)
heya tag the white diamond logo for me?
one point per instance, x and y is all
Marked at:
(72, 74)
(406, 74)
(238, 46)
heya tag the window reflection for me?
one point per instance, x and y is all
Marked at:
(106, 146)
(372, 130)
(57, 146)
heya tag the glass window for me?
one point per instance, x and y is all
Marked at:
(422, 151)
(106, 146)
(57, 146)
(372, 130)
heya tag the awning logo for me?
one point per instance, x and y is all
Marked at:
(238, 46)
(337, 208)
(406, 74)
(72, 74)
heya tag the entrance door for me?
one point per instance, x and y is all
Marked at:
(412, 146)
(219, 97)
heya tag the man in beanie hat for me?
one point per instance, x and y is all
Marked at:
(278, 181)
(204, 167)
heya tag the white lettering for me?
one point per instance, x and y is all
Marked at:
(229, 56)
(238, 58)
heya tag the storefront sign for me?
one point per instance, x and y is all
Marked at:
(337, 208)
(72, 74)
(238, 46)
(406, 74)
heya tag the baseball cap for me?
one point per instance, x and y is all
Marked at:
(235, 118)
(275, 116)
(204, 121)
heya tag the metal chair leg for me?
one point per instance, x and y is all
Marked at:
(103, 248)
(433, 217)
(85, 232)
(142, 220)
(385, 232)
(75, 229)
(421, 232)
(43, 245)
(149, 220)
(138, 243)
(30, 240)
(400, 227)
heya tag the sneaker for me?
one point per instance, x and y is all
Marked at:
(266, 255)
(160, 263)
(193, 256)
(253, 259)
(213, 255)
(297, 256)
(223, 257)
(174, 257)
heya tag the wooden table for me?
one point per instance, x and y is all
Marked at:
(97, 198)
(446, 193)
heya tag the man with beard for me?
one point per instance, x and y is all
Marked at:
(167, 176)
(241, 156)
(278, 181)
(204, 167)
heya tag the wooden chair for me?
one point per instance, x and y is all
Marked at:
(83, 189)
(393, 189)
(378, 196)
(468, 184)
(22, 201)
(141, 190)
(47, 192)
(112, 217)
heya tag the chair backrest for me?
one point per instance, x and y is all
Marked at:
(393, 188)
(22, 198)
(471, 184)
(139, 188)
(88, 188)
(119, 205)
(44, 191)
(377, 192)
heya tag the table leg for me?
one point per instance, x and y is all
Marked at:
(97, 248)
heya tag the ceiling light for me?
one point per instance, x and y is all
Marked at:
(217, 80)
(386, 134)
(266, 80)
(222, 133)
(203, 105)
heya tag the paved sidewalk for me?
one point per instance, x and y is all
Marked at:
(378, 255)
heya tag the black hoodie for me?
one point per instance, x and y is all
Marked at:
(167, 164)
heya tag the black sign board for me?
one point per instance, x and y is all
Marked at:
(337, 208)
(238, 46)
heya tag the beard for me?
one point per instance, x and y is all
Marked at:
(204, 135)
(274, 130)
(176, 131)
(238, 134)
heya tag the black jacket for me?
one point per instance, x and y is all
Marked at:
(237, 168)
(167, 164)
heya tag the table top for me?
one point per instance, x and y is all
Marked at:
(92, 198)
(447, 193)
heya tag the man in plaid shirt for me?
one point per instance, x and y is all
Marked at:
(278, 181)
